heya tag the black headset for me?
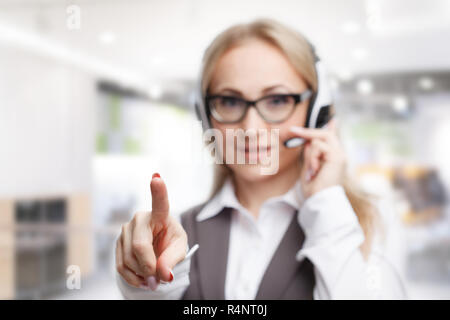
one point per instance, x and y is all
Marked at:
(318, 113)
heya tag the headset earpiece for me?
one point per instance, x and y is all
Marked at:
(319, 104)
(197, 111)
(323, 117)
(311, 102)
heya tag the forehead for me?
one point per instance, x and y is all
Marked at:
(254, 65)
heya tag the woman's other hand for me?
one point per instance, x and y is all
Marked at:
(324, 160)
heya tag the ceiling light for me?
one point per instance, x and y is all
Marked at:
(364, 86)
(155, 92)
(426, 83)
(344, 74)
(400, 104)
(351, 27)
(359, 54)
(107, 37)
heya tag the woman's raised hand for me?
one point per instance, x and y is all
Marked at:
(152, 243)
(324, 160)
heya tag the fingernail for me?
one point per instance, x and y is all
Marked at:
(308, 174)
(144, 287)
(152, 283)
(156, 175)
(170, 278)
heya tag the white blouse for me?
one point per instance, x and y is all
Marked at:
(332, 240)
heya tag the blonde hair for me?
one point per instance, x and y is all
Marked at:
(298, 51)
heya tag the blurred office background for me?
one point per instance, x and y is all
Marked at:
(96, 95)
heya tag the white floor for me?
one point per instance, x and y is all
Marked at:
(99, 287)
(104, 287)
(428, 291)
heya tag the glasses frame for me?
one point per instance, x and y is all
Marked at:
(298, 98)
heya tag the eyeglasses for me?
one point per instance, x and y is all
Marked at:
(273, 108)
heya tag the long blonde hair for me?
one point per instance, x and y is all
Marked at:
(298, 51)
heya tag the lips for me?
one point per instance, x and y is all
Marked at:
(255, 155)
(259, 149)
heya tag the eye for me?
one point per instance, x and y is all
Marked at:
(275, 101)
(229, 102)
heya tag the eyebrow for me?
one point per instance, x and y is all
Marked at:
(265, 90)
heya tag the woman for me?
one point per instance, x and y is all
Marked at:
(302, 233)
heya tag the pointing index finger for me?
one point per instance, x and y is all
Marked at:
(160, 200)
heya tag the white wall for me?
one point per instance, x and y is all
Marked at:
(46, 125)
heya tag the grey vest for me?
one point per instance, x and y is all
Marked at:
(284, 278)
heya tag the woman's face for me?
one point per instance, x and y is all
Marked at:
(251, 71)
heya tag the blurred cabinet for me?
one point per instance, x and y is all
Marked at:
(79, 246)
(421, 187)
(6, 249)
(40, 238)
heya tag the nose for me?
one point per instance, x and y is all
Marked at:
(253, 120)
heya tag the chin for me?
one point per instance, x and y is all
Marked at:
(250, 172)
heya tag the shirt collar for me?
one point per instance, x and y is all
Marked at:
(226, 197)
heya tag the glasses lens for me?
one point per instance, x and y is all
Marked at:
(227, 109)
(276, 108)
